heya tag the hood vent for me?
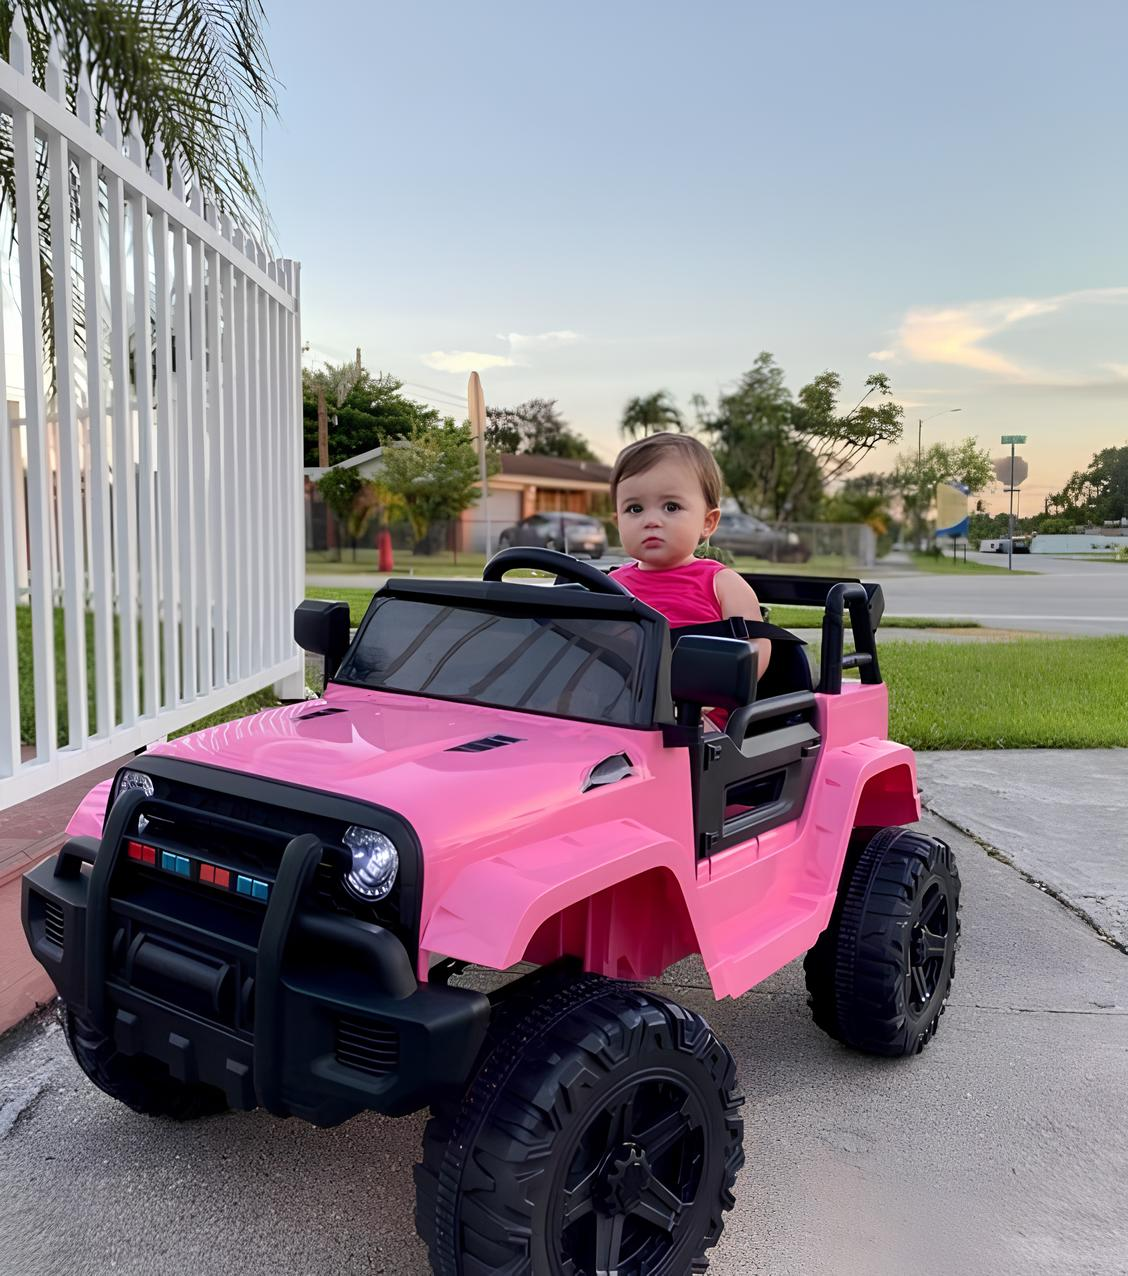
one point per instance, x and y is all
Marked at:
(319, 713)
(486, 742)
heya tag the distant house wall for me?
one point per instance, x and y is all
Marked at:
(1074, 543)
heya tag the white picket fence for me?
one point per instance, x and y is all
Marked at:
(153, 504)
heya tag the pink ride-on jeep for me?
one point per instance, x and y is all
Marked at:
(269, 913)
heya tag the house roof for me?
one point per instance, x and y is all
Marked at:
(554, 467)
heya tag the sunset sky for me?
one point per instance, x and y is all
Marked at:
(592, 201)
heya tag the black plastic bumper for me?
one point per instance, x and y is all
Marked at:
(322, 1019)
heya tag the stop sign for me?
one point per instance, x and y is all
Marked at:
(1003, 471)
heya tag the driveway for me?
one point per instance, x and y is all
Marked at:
(998, 1150)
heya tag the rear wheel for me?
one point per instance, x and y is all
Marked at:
(879, 976)
(143, 1084)
(602, 1134)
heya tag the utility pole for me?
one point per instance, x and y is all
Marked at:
(358, 361)
(920, 476)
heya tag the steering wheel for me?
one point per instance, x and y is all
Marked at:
(551, 560)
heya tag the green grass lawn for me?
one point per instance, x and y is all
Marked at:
(471, 565)
(957, 567)
(1042, 693)
(25, 648)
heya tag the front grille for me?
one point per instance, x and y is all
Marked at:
(368, 1045)
(53, 925)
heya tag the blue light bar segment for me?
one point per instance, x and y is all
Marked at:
(243, 885)
(183, 866)
(260, 890)
(168, 861)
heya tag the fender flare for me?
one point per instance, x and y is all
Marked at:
(493, 908)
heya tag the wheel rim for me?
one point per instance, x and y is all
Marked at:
(929, 944)
(627, 1197)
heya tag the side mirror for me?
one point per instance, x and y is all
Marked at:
(322, 628)
(718, 672)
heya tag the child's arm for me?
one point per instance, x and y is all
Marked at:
(737, 598)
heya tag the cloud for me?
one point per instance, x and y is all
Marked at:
(465, 361)
(520, 342)
(882, 356)
(962, 335)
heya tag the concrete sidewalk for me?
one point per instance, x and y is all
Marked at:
(1059, 815)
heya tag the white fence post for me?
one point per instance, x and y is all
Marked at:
(162, 496)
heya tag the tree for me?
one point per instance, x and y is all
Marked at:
(651, 415)
(194, 73)
(915, 480)
(777, 453)
(351, 498)
(766, 467)
(840, 442)
(1099, 493)
(367, 411)
(432, 477)
(535, 428)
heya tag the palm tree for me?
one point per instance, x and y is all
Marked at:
(650, 415)
(194, 73)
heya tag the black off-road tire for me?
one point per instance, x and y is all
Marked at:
(879, 977)
(142, 1084)
(566, 1100)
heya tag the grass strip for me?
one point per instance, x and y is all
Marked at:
(1040, 693)
(940, 566)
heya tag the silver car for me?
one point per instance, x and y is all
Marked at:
(578, 534)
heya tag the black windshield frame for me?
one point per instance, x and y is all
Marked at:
(650, 706)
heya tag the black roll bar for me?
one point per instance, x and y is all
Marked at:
(857, 600)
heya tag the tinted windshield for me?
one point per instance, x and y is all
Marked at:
(578, 667)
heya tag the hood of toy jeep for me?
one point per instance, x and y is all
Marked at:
(451, 769)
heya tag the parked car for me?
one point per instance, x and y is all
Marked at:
(277, 915)
(570, 533)
(1021, 545)
(744, 534)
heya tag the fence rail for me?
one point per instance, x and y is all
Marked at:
(151, 523)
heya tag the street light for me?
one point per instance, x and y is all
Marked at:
(920, 425)
(920, 430)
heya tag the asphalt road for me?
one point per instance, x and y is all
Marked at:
(1062, 596)
(1000, 1149)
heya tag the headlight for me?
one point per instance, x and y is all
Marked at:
(141, 782)
(134, 780)
(375, 862)
(793, 538)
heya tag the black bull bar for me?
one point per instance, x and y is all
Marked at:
(334, 1022)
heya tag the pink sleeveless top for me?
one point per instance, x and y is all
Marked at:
(684, 595)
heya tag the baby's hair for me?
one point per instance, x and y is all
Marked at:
(638, 457)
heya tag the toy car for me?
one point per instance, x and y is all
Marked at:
(271, 912)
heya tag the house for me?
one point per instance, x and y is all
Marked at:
(523, 486)
(527, 485)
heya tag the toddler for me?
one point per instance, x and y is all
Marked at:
(667, 491)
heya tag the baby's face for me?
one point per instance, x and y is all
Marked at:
(662, 515)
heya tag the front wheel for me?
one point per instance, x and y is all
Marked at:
(602, 1134)
(143, 1084)
(879, 976)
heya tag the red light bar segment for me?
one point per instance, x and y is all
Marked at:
(141, 853)
(207, 873)
(223, 878)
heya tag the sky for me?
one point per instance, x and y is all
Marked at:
(591, 201)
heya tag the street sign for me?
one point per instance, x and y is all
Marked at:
(1014, 438)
